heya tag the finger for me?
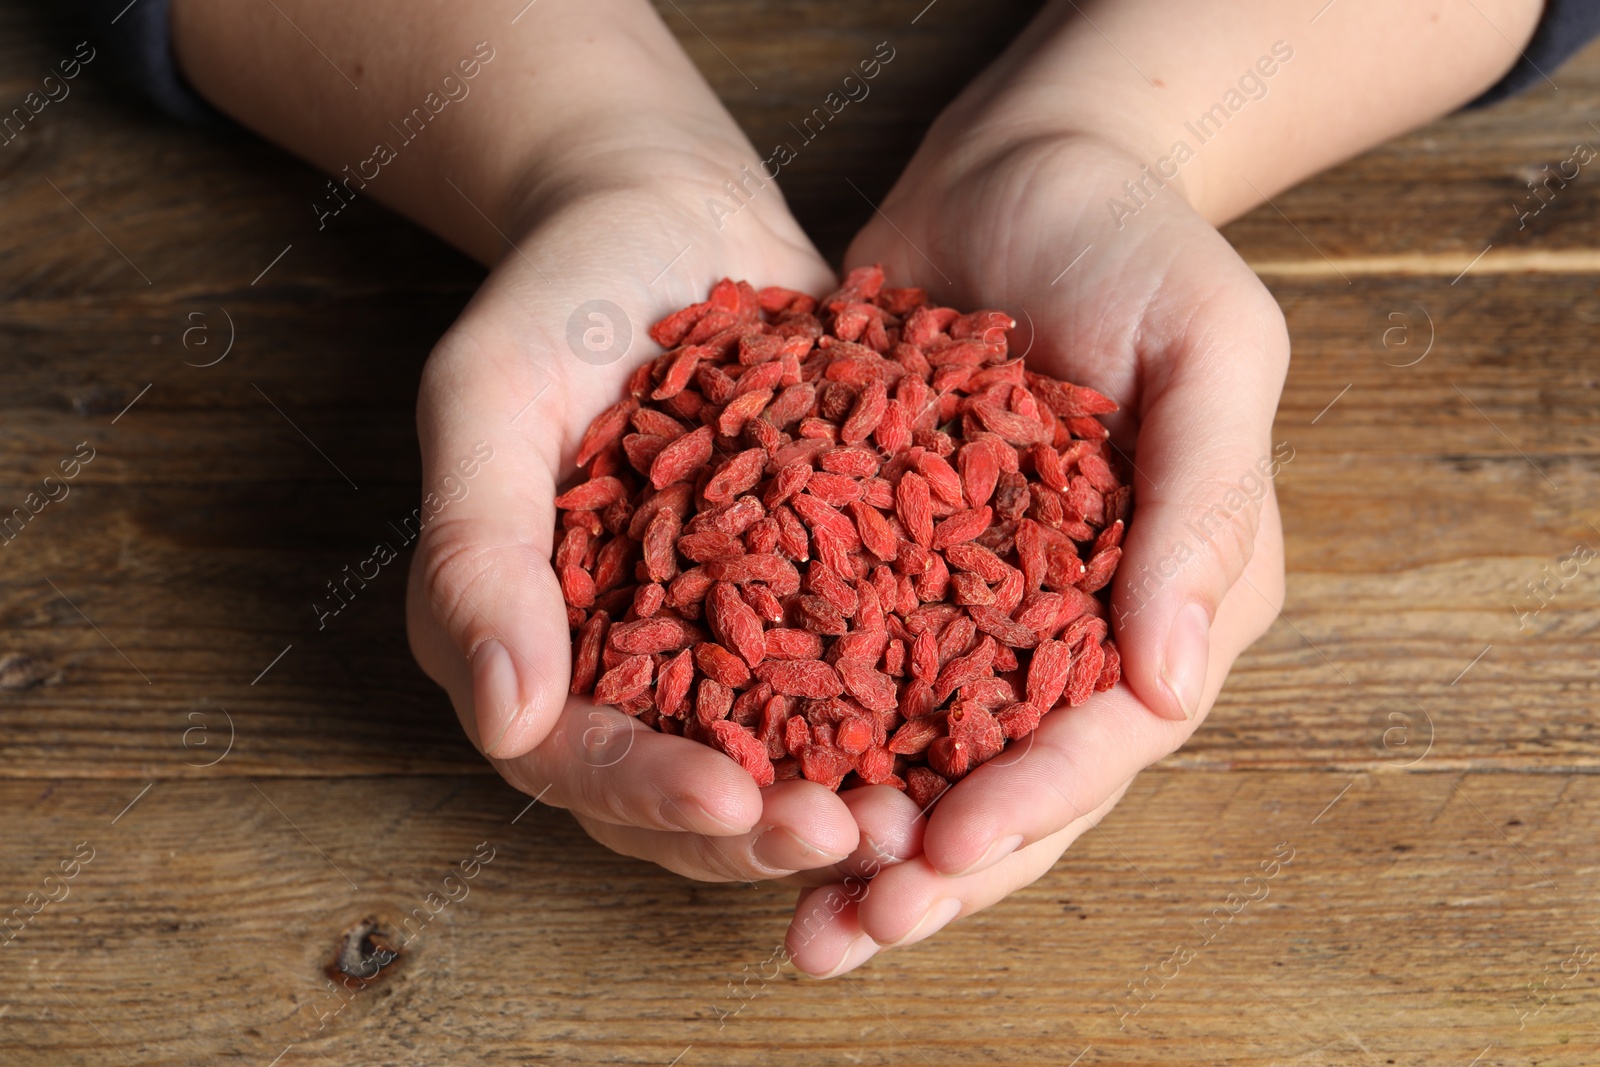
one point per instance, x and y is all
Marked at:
(485, 612)
(1205, 464)
(1080, 756)
(803, 825)
(838, 927)
(890, 824)
(607, 766)
(825, 937)
(914, 901)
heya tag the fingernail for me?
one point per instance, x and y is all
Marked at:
(935, 919)
(494, 693)
(996, 852)
(688, 814)
(1183, 668)
(784, 850)
(858, 952)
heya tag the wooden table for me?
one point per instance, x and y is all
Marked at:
(1427, 754)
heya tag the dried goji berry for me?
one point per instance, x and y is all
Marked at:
(672, 684)
(825, 765)
(796, 735)
(577, 586)
(660, 546)
(712, 701)
(962, 526)
(605, 430)
(735, 476)
(925, 786)
(717, 662)
(1111, 669)
(649, 636)
(735, 624)
(681, 458)
(963, 669)
(867, 684)
(916, 735)
(627, 679)
(1003, 628)
(1048, 673)
(586, 652)
(742, 747)
(801, 678)
(1020, 719)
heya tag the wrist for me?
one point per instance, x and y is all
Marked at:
(1092, 173)
(1127, 146)
(675, 159)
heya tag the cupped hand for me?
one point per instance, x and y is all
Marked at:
(1154, 309)
(544, 346)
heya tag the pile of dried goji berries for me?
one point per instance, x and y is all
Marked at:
(840, 537)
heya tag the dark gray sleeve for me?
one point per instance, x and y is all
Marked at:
(135, 38)
(1567, 25)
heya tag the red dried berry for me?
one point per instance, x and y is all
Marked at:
(1111, 669)
(649, 636)
(741, 746)
(627, 679)
(681, 458)
(735, 476)
(577, 586)
(1085, 673)
(925, 786)
(1020, 719)
(872, 687)
(801, 678)
(717, 662)
(1048, 673)
(735, 624)
(916, 735)
(825, 765)
(606, 429)
(586, 652)
(672, 685)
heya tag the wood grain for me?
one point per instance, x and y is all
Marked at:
(1428, 752)
(1412, 913)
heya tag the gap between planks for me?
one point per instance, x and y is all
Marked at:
(1200, 764)
(1443, 264)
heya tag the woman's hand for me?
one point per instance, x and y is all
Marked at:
(545, 345)
(1160, 314)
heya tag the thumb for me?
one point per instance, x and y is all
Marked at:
(1205, 463)
(485, 614)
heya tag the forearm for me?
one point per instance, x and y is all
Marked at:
(396, 100)
(1148, 74)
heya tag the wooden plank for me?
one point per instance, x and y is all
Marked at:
(1439, 195)
(1412, 913)
(1422, 501)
